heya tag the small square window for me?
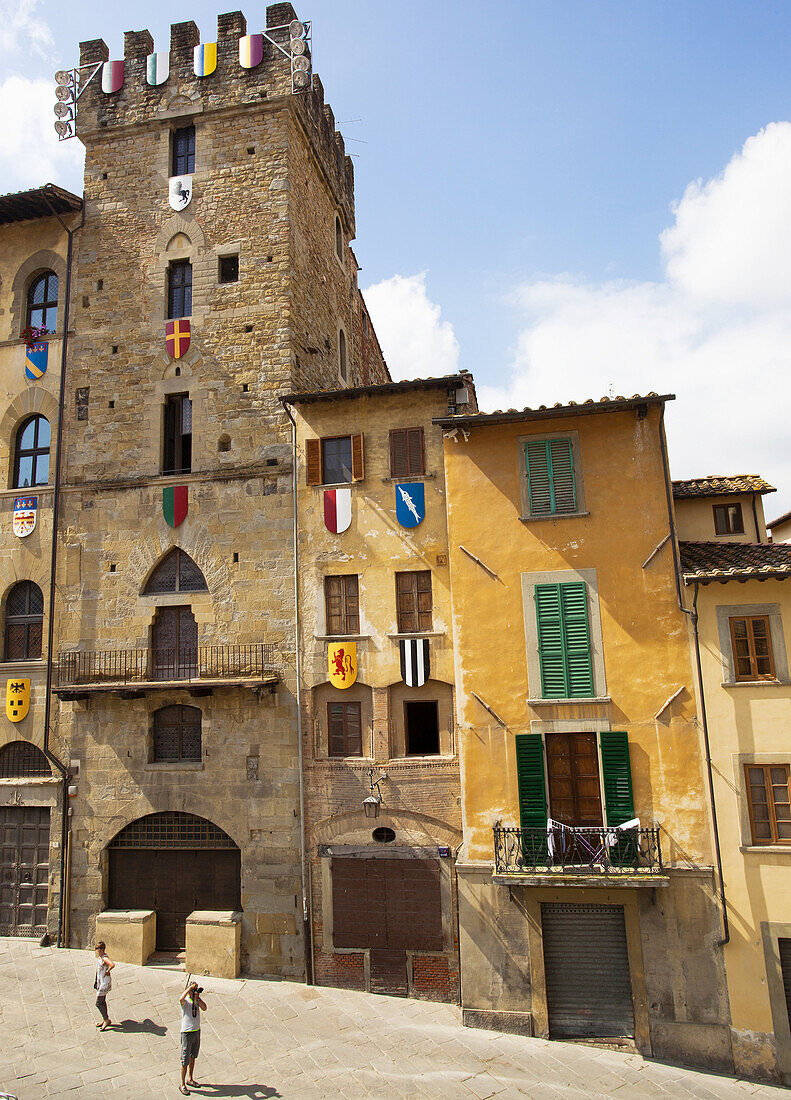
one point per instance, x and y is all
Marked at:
(728, 519)
(229, 269)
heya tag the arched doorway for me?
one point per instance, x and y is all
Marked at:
(174, 863)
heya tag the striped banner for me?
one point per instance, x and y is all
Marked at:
(157, 68)
(205, 59)
(251, 50)
(415, 661)
(112, 76)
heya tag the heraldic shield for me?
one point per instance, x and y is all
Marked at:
(342, 663)
(177, 337)
(36, 361)
(415, 661)
(17, 699)
(175, 504)
(180, 192)
(25, 509)
(410, 503)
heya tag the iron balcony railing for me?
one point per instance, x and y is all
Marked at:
(579, 850)
(130, 666)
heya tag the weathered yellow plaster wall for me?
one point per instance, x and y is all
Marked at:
(695, 518)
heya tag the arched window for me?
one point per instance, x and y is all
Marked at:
(42, 302)
(342, 353)
(21, 760)
(31, 456)
(24, 618)
(177, 733)
(177, 572)
(338, 238)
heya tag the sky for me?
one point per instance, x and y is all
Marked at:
(569, 199)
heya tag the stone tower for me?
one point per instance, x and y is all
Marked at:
(176, 657)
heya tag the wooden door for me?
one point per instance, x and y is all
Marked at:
(573, 772)
(175, 644)
(24, 870)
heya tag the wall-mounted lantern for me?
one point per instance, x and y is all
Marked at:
(373, 801)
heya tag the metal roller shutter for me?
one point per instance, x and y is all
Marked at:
(586, 964)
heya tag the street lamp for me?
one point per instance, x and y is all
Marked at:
(373, 801)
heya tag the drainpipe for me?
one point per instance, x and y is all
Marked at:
(58, 764)
(755, 521)
(306, 921)
(693, 618)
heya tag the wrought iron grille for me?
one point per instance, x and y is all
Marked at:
(129, 666)
(172, 830)
(22, 760)
(581, 850)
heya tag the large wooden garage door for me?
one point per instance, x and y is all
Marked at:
(174, 863)
(586, 965)
(389, 906)
(24, 870)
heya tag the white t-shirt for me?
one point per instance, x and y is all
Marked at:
(188, 1021)
(103, 976)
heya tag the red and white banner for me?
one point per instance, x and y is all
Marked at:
(337, 510)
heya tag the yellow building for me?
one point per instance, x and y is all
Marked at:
(34, 248)
(381, 765)
(588, 904)
(737, 583)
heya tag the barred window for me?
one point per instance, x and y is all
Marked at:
(177, 572)
(171, 829)
(24, 619)
(21, 760)
(177, 734)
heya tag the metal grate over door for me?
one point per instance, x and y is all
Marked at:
(586, 964)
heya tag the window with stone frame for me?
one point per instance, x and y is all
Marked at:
(751, 642)
(769, 803)
(342, 604)
(414, 602)
(183, 151)
(176, 572)
(177, 450)
(344, 729)
(24, 620)
(31, 453)
(179, 289)
(42, 302)
(176, 734)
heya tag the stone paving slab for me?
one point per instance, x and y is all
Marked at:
(272, 1039)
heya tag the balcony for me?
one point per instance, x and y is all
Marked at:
(131, 672)
(578, 856)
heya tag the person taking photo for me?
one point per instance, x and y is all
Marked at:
(191, 1007)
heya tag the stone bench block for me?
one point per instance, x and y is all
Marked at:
(130, 934)
(214, 942)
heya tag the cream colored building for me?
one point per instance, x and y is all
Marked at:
(34, 235)
(738, 585)
(381, 762)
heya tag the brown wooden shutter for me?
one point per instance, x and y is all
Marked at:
(423, 599)
(354, 740)
(358, 465)
(333, 598)
(416, 450)
(313, 461)
(405, 603)
(335, 729)
(352, 604)
(398, 453)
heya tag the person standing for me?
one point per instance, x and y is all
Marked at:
(103, 983)
(191, 1006)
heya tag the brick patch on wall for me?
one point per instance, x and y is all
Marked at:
(434, 978)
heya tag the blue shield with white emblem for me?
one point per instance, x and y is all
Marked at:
(410, 503)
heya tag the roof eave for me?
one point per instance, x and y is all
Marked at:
(312, 397)
(741, 575)
(514, 416)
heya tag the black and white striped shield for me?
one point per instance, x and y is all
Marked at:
(415, 663)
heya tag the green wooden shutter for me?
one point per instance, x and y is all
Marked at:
(617, 777)
(532, 798)
(539, 480)
(551, 649)
(562, 475)
(576, 638)
(564, 651)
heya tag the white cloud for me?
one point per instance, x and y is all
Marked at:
(30, 153)
(716, 331)
(22, 31)
(415, 341)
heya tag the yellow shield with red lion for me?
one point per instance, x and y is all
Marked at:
(342, 663)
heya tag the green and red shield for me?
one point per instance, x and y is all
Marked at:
(174, 504)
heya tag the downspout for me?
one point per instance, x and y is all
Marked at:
(61, 767)
(306, 922)
(693, 618)
(755, 521)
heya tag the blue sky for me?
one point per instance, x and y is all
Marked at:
(516, 165)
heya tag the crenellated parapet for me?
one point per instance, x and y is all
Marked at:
(192, 78)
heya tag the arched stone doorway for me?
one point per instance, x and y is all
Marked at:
(173, 863)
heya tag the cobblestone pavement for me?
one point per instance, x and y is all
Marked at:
(278, 1039)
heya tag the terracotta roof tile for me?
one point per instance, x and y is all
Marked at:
(722, 561)
(717, 486)
(545, 412)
